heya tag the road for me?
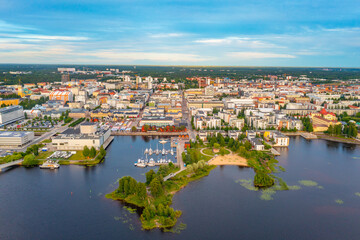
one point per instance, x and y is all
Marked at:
(186, 116)
(179, 151)
(38, 139)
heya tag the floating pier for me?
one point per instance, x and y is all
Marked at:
(307, 135)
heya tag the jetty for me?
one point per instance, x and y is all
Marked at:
(273, 151)
(308, 136)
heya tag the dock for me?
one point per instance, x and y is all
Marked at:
(308, 136)
(108, 141)
(273, 151)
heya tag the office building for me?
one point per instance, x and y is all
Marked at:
(11, 114)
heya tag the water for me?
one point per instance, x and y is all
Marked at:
(69, 203)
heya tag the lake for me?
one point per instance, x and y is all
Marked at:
(69, 203)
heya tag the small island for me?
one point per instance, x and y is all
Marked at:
(154, 197)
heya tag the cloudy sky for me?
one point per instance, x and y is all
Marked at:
(182, 32)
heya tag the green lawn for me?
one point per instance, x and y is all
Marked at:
(208, 151)
(43, 155)
(80, 156)
(77, 156)
(202, 157)
(47, 141)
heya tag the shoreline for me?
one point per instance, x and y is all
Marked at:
(177, 184)
(338, 139)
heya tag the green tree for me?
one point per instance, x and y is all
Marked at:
(146, 214)
(156, 188)
(92, 152)
(141, 191)
(36, 149)
(247, 145)
(150, 175)
(29, 161)
(86, 151)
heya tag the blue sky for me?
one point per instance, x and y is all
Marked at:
(181, 32)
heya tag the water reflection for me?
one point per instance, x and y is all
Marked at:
(213, 207)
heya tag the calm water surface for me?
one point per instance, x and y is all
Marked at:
(69, 203)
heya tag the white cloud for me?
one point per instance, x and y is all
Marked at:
(8, 27)
(258, 55)
(44, 37)
(148, 56)
(237, 42)
(167, 35)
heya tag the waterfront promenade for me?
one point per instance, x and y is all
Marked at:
(149, 133)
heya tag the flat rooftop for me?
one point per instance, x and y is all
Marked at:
(13, 134)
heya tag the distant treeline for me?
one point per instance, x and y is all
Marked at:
(48, 73)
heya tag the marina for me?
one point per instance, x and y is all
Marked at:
(156, 157)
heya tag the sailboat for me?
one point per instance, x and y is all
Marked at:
(163, 152)
(146, 151)
(150, 151)
(157, 151)
(172, 151)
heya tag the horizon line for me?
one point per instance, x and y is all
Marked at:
(160, 65)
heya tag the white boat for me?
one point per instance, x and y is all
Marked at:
(142, 165)
(151, 163)
(172, 151)
(138, 161)
(163, 141)
(146, 151)
(50, 164)
(150, 151)
(157, 151)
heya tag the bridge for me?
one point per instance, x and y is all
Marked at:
(10, 164)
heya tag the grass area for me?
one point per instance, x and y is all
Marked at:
(337, 138)
(201, 156)
(80, 162)
(47, 141)
(43, 155)
(208, 151)
(77, 159)
(80, 156)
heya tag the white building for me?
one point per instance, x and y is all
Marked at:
(17, 139)
(11, 114)
(76, 139)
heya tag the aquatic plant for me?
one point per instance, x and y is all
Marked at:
(117, 218)
(131, 210)
(294, 187)
(357, 194)
(267, 194)
(248, 184)
(177, 229)
(339, 201)
(308, 183)
(131, 227)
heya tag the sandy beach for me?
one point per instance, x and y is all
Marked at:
(230, 159)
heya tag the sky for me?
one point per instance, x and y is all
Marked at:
(306, 33)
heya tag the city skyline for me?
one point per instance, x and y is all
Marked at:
(236, 33)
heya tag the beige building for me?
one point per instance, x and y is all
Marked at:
(76, 139)
(17, 139)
